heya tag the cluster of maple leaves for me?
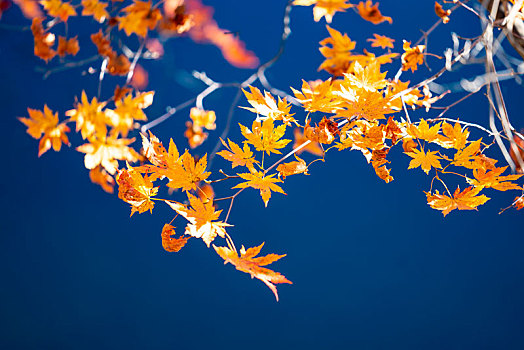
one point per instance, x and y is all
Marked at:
(360, 109)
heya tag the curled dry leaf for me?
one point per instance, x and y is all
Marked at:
(172, 244)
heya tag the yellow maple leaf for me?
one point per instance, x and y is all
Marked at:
(465, 200)
(136, 190)
(324, 8)
(106, 151)
(259, 181)
(424, 160)
(318, 97)
(59, 9)
(96, 9)
(454, 136)
(238, 156)
(265, 137)
(468, 157)
(248, 262)
(202, 219)
(46, 123)
(338, 56)
(89, 117)
(267, 106)
(127, 110)
(367, 78)
(423, 131)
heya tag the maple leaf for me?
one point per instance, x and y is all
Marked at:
(29, 8)
(267, 106)
(324, 132)
(203, 119)
(317, 97)
(265, 137)
(369, 105)
(106, 151)
(371, 13)
(423, 131)
(493, 179)
(467, 157)
(292, 168)
(67, 46)
(465, 200)
(171, 244)
(186, 172)
(136, 190)
(101, 177)
(412, 56)
(42, 41)
(248, 262)
(102, 44)
(378, 161)
(201, 217)
(57, 8)
(424, 160)
(238, 156)
(118, 65)
(454, 136)
(259, 181)
(140, 16)
(46, 123)
(324, 8)
(312, 147)
(444, 14)
(369, 78)
(89, 117)
(381, 41)
(339, 54)
(127, 110)
(96, 9)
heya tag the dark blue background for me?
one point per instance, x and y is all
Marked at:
(373, 266)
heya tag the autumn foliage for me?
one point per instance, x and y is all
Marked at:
(364, 106)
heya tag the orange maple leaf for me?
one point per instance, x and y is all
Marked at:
(136, 190)
(292, 168)
(258, 180)
(493, 179)
(46, 123)
(465, 200)
(140, 16)
(96, 9)
(42, 41)
(248, 262)
(338, 56)
(67, 46)
(172, 244)
(312, 147)
(203, 119)
(412, 56)
(187, 172)
(59, 9)
(238, 156)
(371, 13)
(101, 177)
(89, 117)
(381, 41)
